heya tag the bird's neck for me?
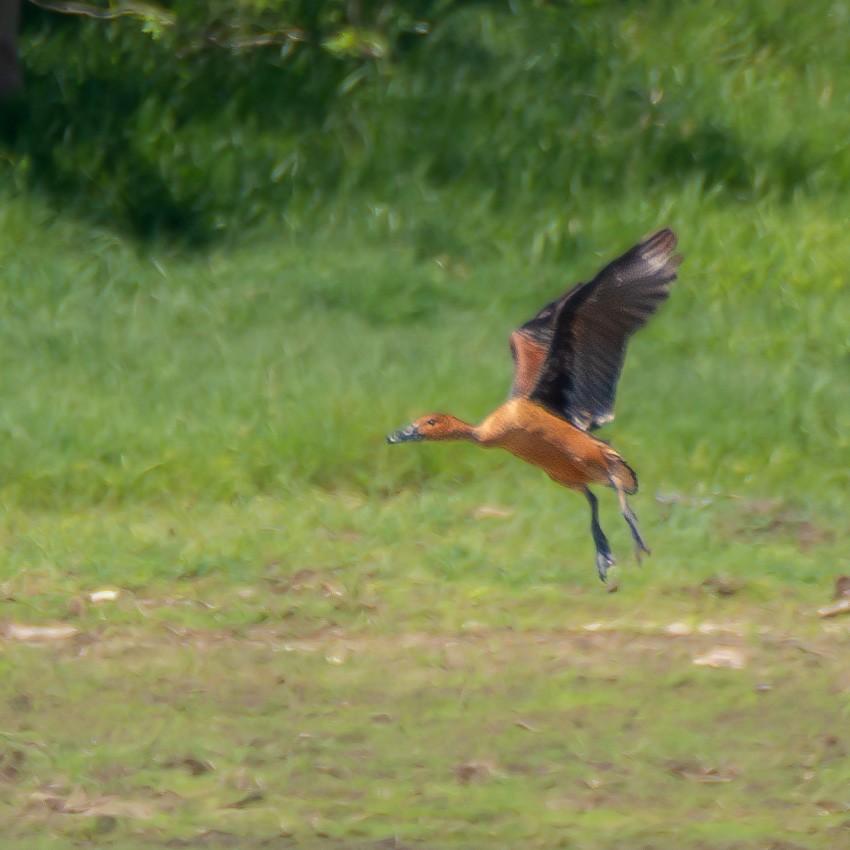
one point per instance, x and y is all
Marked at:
(453, 428)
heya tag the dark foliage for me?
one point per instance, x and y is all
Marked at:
(205, 117)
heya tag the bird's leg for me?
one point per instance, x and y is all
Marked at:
(604, 558)
(631, 519)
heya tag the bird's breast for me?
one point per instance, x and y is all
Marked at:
(567, 454)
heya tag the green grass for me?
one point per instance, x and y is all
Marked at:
(321, 638)
(322, 641)
(554, 738)
(541, 111)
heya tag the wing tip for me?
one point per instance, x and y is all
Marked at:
(658, 248)
(664, 240)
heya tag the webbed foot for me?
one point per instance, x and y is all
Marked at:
(604, 561)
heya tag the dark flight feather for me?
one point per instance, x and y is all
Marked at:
(569, 356)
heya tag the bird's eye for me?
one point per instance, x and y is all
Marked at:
(431, 422)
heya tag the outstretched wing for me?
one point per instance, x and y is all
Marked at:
(569, 356)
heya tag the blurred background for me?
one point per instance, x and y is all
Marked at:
(242, 240)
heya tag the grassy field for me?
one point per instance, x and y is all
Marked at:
(319, 640)
(232, 616)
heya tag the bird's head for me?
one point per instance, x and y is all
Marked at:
(434, 426)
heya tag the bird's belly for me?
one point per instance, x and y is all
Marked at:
(565, 453)
(571, 462)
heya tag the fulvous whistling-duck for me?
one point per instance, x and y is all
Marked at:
(567, 361)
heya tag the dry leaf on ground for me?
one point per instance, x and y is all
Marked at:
(840, 607)
(247, 800)
(194, 766)
(708, 774)
(491, 511)
(103, 596)
(78, 802)
(20, 631)
(475, 771)
(722, 657)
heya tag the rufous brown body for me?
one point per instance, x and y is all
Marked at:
(567, 362)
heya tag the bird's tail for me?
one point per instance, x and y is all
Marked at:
(623, 477)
